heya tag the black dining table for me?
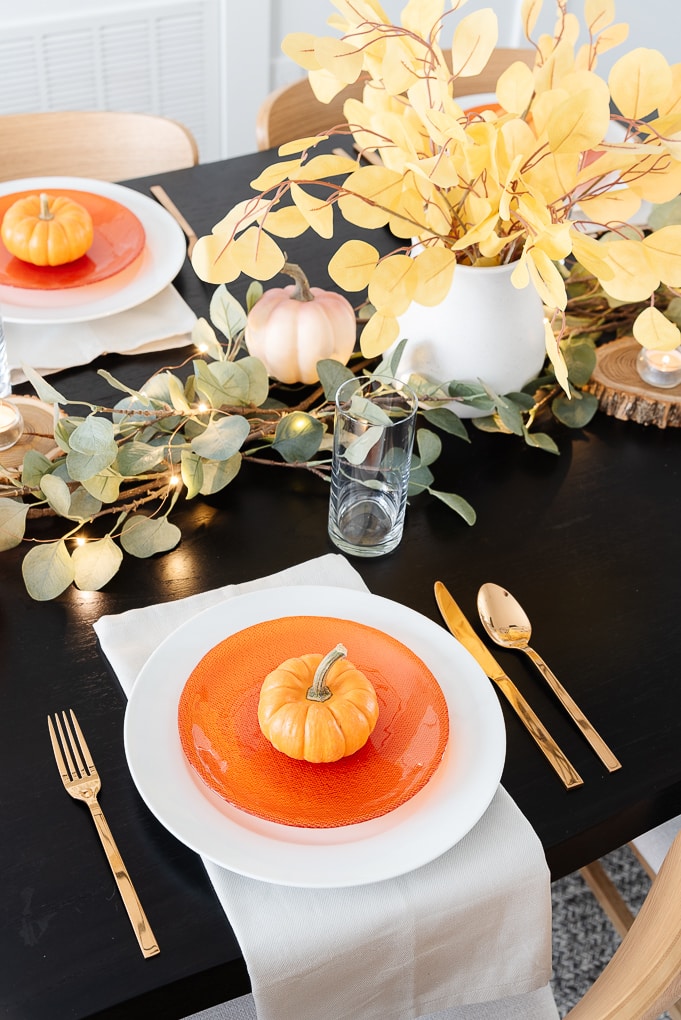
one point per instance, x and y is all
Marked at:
(589, 541)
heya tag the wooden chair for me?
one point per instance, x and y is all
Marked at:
(293, 111)
(650, 849)
(643, 978)
(105, 145)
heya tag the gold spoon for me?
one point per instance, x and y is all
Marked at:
(508, 625)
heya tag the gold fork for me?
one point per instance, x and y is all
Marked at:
(81, 779)
(162, 196)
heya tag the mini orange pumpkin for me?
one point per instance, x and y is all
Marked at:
(47, 230)
(291, 328)
(317, 708)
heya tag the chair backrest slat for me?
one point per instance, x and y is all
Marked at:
(105, 145)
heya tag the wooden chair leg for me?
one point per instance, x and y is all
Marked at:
(608, 896)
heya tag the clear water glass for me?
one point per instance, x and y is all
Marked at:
(373, 438)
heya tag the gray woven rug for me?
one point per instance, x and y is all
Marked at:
(583, 937)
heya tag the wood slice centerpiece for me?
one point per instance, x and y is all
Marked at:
(622, 393)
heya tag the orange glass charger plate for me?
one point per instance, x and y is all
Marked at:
(118, 240)
(223, 743)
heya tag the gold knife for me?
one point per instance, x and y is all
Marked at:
(463, 632)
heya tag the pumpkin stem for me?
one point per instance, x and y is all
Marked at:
(302, 291)
(45, 213)
(319, 691)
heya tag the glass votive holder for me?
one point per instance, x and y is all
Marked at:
(373, 439)
(660, 368)
(11, 424)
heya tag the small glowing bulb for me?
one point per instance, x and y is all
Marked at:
(202, 408)
(202, 348)
(80, 540)
(174, 480)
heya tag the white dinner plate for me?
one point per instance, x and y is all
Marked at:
(164, 252)
(418, 831)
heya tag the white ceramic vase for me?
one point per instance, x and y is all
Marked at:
(485, 329)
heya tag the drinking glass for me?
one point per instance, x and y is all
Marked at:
(372, 442)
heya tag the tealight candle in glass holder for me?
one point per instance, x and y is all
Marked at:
(11, 422)
(660, 368)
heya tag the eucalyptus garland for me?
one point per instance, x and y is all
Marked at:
(120, 470)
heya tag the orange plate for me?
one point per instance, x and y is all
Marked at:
(119, 239)
(221, 738)
(475, 111)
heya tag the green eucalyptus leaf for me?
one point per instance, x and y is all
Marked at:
(581, 361)
(64, 429)
(457, 503)
(426, 389)
(83, 506)
(95, 563)
(93, 435)
(157, 390)
(510, 416)
(12, 522)
(673, 311)
(429, 445)
(360, 407)
(92, 448)
(420, 478)
(136, 458)
(42, 388)
(219, 473)
(472, 393)
(357, 450)
(332, 374)
(57, 494)
(487, 423)
(172, 446)
(192, 472)
(222, 438)
(82, 466)
(541, 441)
(222, 383)
(524, 401)
(47, 570)
(446, 420)
(253, 294)
(258, 380)
(116, 385)
(105, 485)
(203, 337)
(145, 536)
(34, 466)
(298, 437)
(389, 364)
(665, 214)
(177, 395)
(577, 412)
(226, 313)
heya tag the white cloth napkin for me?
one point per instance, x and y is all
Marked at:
(472, 926)
(161, 323)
